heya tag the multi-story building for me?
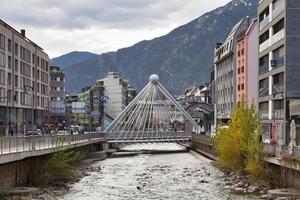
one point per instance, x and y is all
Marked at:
(96, 107)
(225, 73)
(117, 89)
(279, 64)
(197, 102)
(57, 94)
(247, 62)
(24, 81)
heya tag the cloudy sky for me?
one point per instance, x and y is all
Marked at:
(98, 26)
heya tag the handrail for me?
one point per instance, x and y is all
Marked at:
(16, 144)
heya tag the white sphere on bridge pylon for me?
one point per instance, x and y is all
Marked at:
(154, 78)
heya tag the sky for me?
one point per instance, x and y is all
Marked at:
(99, 26)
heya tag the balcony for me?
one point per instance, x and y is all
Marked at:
(278, 10)
(264, 91)
(278, 36)
(263, 69)
(263, 46)
(278, 88)
(278, 114)
(264, 23)
(264, 114)
(277, 62)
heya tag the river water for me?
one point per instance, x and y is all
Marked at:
(169, 176)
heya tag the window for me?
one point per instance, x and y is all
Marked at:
(16, 49)
(2, 77)
(9, 45)
(278, 83)
(264, 14)
(25, 69)
(278, 27)
(2, 41)
(16, 81)
(25, 54)
(2, 95)
(9, 62)
(264, 87)
(2, 59)
(9, 78)
(278, 57)
(264, 37)
(16, 65)
(16, 97)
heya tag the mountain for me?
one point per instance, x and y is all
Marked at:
(181, 58)
(71, 58)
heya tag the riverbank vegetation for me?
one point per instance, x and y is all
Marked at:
(238, 146)
(57, 167)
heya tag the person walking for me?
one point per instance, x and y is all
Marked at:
(11, 132)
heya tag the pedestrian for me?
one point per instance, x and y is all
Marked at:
(11, 132)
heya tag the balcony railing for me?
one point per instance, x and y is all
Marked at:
(278, 36)
(264, 114)
(278, 88)
(264, 45)
(278, 10)
(263, 91)
(263, 69)
(277, 62)
(278, 114)
(264, 22)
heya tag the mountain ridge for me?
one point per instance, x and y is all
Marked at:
(181, 58)
(71, 58)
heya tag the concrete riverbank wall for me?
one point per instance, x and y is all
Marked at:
(17, 173)
(282, 172)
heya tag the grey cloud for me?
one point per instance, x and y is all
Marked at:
(72, 14)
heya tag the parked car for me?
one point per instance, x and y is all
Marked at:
(34, 132)
(62, 132)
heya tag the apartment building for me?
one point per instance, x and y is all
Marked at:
(279, 65)
(247, 62)
(225, 73)
(24, 81)
(118, 90)
(57, 94)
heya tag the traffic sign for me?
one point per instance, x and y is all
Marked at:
(104, 99)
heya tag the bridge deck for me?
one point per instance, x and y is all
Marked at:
(147, 137)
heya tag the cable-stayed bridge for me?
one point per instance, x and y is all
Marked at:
(153, 116)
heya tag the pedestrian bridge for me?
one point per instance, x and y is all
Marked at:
(148, 137)
(153, 116)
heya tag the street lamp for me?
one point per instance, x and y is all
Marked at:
(7, 115)
(32, 104)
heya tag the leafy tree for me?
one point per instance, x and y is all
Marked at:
(238, 146)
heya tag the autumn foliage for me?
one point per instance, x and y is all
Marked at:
(238, 145)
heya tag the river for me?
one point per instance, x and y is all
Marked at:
(168, 176)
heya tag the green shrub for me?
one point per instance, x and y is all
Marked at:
(56, 167)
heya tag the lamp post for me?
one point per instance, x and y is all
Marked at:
(7, 115)
(32, 104)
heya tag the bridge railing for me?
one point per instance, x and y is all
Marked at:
(147, 135)
(15, 144)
